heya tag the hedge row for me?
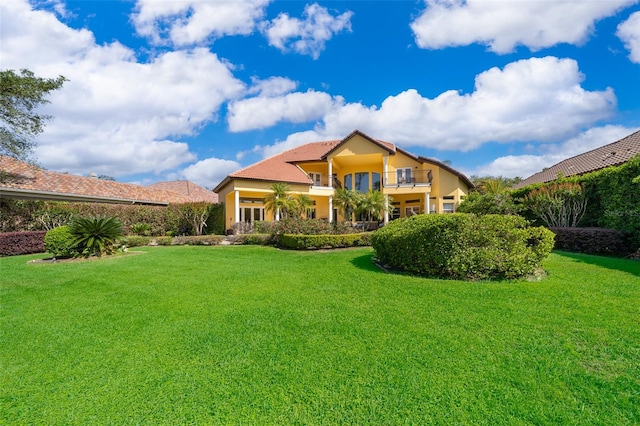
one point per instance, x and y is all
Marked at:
(15, 243)
(314, 242)
(592, 240)
(201, 240)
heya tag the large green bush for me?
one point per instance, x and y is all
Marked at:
(60, 242)
(463, 246)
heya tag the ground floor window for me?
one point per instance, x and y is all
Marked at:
(251, 214)
(448, 207)
(411, 210)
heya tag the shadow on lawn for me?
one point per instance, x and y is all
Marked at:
(624, 265)
(366, 262)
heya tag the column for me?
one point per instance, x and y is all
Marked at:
(427, 204)
(386, 208)
(236, 202)
(385, 162)
(330, 208)
(330, 173)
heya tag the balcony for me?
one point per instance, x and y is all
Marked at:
(322, 179)
(408, 177)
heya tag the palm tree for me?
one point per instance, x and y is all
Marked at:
(373, 204)
(279, 201)
(347, 200)
(303, 204)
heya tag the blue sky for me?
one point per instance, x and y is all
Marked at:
(164, 90)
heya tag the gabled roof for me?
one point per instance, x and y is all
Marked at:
(193, 192)
(25, 181)
(613, 154)
(448, 168)
(389, 147)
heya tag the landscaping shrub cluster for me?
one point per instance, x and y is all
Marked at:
(294, 225)
(301, 241)
(592, 240)
(179, 219)
(60, 242)
(198, 240)
(463, 246)
(15, 243)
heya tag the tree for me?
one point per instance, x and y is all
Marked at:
(279, 201)
(303, 204)
(494, 185)
(373, 204)
(22, 93)
(347, 200)
(561, 204)
(489, 203)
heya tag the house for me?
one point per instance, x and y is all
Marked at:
(20, 180)
(358, 162)
(613, 154)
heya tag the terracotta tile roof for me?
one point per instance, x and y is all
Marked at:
(187, 189)
(613, 154)
(22, 180)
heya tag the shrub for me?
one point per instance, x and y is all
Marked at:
(199, 240)
(136, 240)
(96, 235)
(592, 240)
(60, 242)
(294, 225)
(140, 228)
(15, 243)
(256, 239)
(463, 246)
(300, 241)
(560, 204)
(489, 203)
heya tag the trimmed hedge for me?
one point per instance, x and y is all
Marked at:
(315, 242)
(256, 239)
(60, 242)
(592, 240)
(200, 240)
(15, 243)
(463, 246)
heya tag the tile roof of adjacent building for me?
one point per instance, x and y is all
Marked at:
(21, 180)
(188, 189)
(283, 167)
(613, 154)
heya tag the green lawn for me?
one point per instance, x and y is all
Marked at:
(254, 335)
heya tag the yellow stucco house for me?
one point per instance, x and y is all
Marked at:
(358, 162)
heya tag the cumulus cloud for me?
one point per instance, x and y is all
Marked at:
(188, 22)
(261, 112)
(629, 33)
(550, 154)
(307, 36)
(538, 99)
(210, 172)
(115, 115)
(273, 86)
(503, 25)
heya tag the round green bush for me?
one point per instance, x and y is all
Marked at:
(463, 246)
(60, 242)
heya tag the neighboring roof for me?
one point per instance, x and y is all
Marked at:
(26, 181)
(187, 189)
(448, 168)
(613, 154)
(283, 167)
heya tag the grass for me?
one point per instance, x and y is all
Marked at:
(253, 335)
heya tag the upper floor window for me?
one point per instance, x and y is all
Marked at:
(316, 178)
(404, 175)
(347, 182)
(362, 182)
(375, 181)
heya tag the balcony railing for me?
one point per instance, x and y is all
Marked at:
(322, 179)
(408, 177)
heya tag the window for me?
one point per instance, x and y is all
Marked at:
(347, 182)
(375, 181)
(251, 214)
(316, 178)
(448, 207)
(362, 182)
(395, 213)
(411, 210)
(404, 175)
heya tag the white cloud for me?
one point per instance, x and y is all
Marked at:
(188, 22)
(526, 165)
(539, 100)
(503, 25)
(307, 36)
(629, 33)
(115, 115)
(210, 172)
(261, 112)
(273, 86)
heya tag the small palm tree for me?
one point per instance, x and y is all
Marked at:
(491, 185)
(373, 204)
(279, 201)
(347, 200)
(302, 204)
(96, 235)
